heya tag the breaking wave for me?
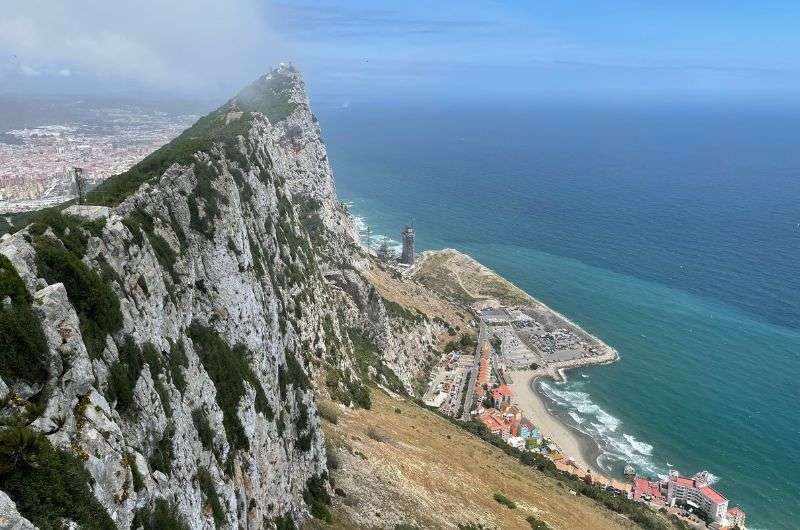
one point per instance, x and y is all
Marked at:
(617, 448)
(375, 240)
(577, 419)
(641, 447)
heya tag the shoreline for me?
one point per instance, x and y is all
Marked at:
(579, 446)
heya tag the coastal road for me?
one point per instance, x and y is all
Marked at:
(473, 378)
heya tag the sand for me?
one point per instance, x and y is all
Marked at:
(575, 444)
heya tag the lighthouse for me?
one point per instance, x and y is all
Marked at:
(407, 256)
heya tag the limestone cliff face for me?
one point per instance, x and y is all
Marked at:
(226, 295)
(297, 137)
(244, 274)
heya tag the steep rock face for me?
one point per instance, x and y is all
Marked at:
(211, 267)
(298, 138)
(406, 339)
(184, 321)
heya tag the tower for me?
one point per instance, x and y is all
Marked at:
(80, 184)
(408, 245)
(385, 253)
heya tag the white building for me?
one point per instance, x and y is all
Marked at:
(696, 493)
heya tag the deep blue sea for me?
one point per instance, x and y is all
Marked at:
(671, 231)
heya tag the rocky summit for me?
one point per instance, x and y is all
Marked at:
(164, 347)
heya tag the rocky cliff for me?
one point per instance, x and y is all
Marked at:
(161, 347)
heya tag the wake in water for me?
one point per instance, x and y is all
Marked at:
(617, 448)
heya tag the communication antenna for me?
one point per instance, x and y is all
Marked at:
(80, 184)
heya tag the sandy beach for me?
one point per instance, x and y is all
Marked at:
(575, 444)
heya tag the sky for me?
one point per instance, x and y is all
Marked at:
(401, 50)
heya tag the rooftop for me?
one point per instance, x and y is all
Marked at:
(712, 494)
(503, 390)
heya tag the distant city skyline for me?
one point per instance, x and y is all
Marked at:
(406, 50)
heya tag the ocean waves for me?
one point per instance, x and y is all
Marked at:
(617, 448)
(371, 239)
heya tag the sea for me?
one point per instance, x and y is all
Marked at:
(671, 230)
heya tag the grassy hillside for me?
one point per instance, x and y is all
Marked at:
(464, 281)
(401, 464)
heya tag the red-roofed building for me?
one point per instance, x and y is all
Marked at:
(696, 493)
(736, 516)
(501, 395)
(647, 491)
(496, 425)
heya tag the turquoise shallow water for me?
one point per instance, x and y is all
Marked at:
(670, 232)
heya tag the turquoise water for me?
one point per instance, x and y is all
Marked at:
(669, 231)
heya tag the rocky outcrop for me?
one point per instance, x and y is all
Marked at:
(184, 324)
(298, 138)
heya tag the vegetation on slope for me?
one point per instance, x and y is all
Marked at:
(416, 445)
(47, 484)
(94, 300)
(162, 516)
(211, 129)
(366, 357)
(123, 374)
(23, 348)
(268, 95)
(206, 483)
(230, 370)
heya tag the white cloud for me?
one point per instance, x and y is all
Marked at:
(165, 43)
(28, 71)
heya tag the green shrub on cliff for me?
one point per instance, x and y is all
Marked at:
(123, 374)
(229, 369)
(47, 484)
(317, 498)
(23, 348)
(505, 501)
(206, 483)
(140, 222)
(94, 300)
(163, 516)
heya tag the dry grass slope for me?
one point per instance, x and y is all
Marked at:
(422, 470)
(463, 280)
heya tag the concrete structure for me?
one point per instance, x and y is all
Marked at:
(696, 493)
(407, 256)
(517, 442)
(90, 213)
(736, 516)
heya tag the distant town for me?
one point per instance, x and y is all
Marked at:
(37, 164)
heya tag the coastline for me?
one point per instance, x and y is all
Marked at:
(575, 444)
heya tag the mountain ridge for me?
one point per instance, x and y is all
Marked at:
(185, 324)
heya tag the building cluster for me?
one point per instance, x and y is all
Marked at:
(446, 391)
(691, 495)
(36, 169)
(484, 369)
(505, 420)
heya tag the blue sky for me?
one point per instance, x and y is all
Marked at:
(409, 49)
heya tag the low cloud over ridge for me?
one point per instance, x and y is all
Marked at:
(183, 45)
